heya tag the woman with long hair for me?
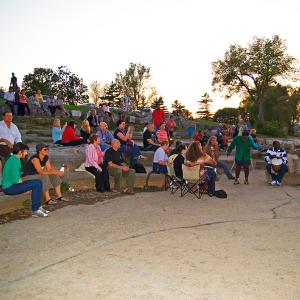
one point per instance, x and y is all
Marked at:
(196, 156)
(85, 130)
(57, 131)
(212, 150)
(69, 138)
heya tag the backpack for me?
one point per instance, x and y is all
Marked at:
(139, 168)
(220, 194)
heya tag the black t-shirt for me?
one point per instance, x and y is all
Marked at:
(29, 168)
(113, 156)
(146, 136)
(92, 120)
(178, 162)
(116, 135)
(85, 135)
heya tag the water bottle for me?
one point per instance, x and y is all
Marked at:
(62, 169)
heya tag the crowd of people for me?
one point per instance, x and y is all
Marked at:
(117, 155)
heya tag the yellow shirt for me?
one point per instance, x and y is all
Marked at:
(39, 97)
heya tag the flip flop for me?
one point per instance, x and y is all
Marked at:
(62, 199)
(51, 202)
(128, 191)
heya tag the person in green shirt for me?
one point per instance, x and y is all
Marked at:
(13, 185)
(243, 145)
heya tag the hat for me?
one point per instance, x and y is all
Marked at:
(40, 146)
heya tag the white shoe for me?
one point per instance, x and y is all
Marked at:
(44, 210)
(273, 183)
(278, 183)
(39, 213)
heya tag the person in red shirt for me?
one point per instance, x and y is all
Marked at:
(69, 138)
(157, 117)
(198, 136)
(170, 126)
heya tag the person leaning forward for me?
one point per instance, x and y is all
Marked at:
(117, 168)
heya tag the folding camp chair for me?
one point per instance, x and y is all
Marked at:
(174, 183)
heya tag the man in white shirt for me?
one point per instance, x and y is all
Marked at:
(161, 158)
(10, 99)
(9, 135)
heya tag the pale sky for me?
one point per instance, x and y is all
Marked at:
(178, 40)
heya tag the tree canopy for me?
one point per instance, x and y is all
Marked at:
(253, 69)
(204, 107)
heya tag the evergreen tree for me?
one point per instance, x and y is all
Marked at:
(204, 107)
(158, 102)
(112, 95)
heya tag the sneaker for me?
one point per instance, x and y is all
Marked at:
(278, 183)
(246, 181)
(39, 213)
(44, 210)
(236, 181)
(231, 177)
(273, 182)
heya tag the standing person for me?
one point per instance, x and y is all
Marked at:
(69, 138)
(39, 167)
(13, 82)
(161, 133)
(276, 153)
(57, 131)
(191, 127)
(9, 135)
(212, 150)
(127, 145)
(170, 127)
(51, 105)
(149, 140)
(117, 168)
(9, 98)
(157, 117)
(126, 103)
(12, 183)
(105, 136)
(198, 136)
(23, 104)
(85, 131)
(107, 112)
(243, 144)
(93, 120)
(94, 164)
(160, 159)
(17, 97)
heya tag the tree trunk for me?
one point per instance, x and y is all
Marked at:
(261, 112)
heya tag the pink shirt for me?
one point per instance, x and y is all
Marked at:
(162, 135)
(23, 98)
(93, 156)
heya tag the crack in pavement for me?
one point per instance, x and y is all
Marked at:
(139, 235)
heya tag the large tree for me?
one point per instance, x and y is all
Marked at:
(177, 106)
(112, 94)
(204, 107)
(158, 103)
(96, 92)
(133, 83)
(228, 115)
(253, 69)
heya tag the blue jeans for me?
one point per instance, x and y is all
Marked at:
(211, 180)
(156, 168)
(134, 152)
(277, 177)
(222, 165)
(34, 185)
(151, 148)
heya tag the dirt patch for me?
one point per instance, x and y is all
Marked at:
(86, 197)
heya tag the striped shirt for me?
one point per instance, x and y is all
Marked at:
(272, 153)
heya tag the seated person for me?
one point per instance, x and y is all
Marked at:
(51, 105)
(85, 131)
(93, 120)
(105, 136)
(170, 126)
(39, 99)
(179, 161)
(117, 168)
(127, 145)
(280, 154)
(175, 150)
(198, 136)
(196, 156)
(205, 139)
(59, 104)
(39, 167)
(94, 164)
(107, 112)
(160, 159)
(149, 141)
(162, 134)
(13, 185)
(57, 131)
(69, 138)
(212, 150)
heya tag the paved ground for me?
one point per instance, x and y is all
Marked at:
(158, 246)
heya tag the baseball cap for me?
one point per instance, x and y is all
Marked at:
(40, 146)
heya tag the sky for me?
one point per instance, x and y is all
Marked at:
(177, 39)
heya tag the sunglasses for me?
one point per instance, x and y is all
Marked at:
(45, 149)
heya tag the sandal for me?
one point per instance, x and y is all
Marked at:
(128, 191)
(50, 202)
(114, 191)
(62, 199)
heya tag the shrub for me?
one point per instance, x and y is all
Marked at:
(272, 128)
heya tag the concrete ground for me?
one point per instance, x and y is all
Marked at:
(160, 246)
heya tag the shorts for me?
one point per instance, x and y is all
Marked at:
(243, 163)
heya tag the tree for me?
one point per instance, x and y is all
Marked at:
(177, 106)
(112, 94)
(96, 92)
(71, 86)
(253, 69)
(43, 79)
(158, 103)
(228, 115)
(133, 83)
(204, 107)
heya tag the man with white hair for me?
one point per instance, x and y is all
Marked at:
(105, 136)
(117, 168)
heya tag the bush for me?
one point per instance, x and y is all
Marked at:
(272, 128)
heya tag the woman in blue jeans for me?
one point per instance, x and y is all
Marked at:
(12, 184)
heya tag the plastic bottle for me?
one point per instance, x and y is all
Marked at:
(62, 169)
